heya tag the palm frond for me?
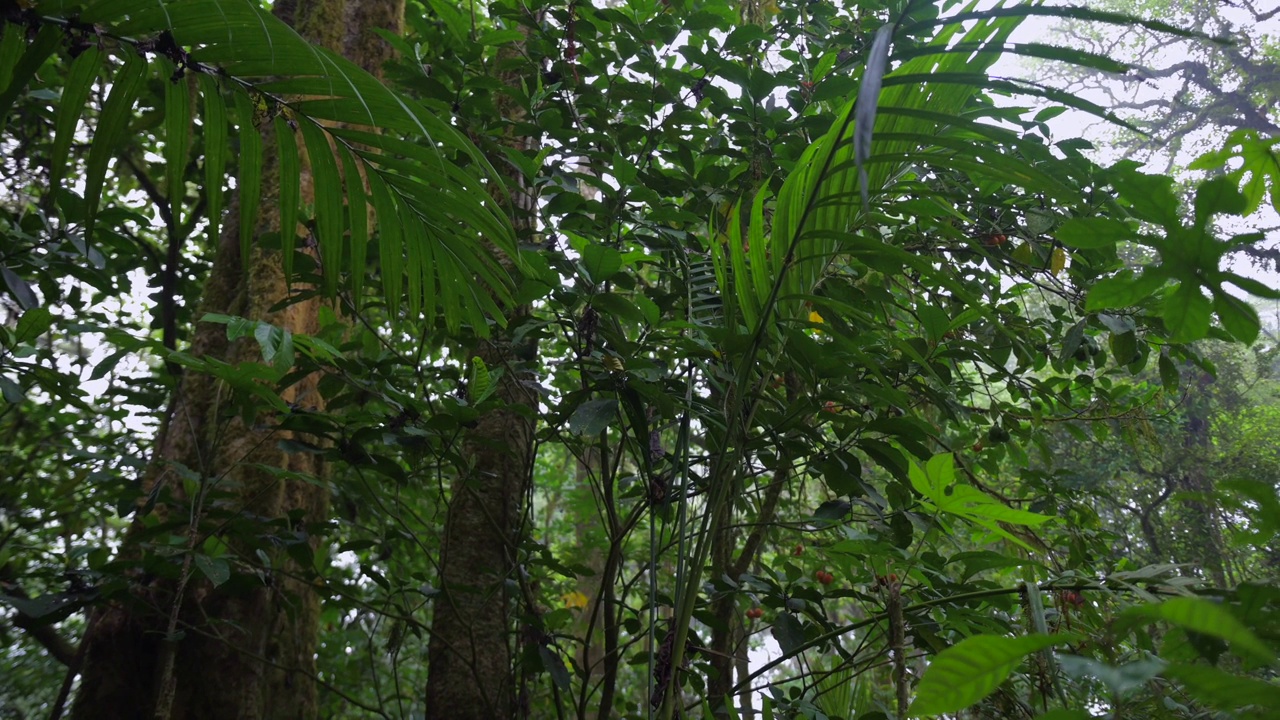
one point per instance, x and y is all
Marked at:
(443, 226)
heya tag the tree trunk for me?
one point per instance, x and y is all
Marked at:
(470, 673)
(176, 645)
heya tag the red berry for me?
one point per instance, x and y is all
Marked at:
(798, 551)
(755, 613)
(825, 577)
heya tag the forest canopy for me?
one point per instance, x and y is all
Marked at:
(637, 359)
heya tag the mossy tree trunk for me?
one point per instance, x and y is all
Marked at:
(470, 669)
(175, 645)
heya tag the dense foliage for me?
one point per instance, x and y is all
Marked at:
(644, 359)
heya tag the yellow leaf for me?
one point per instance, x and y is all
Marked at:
(574, 599)
(771, 7)
(613, 363)
(814, 317)
(1058, 261)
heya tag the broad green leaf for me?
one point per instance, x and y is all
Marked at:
(1187, 313)
(1216, 196)
(1223, 690)
(75, 96)
(1169, 375)
(593, 416)
(11, 391)
(1120, 680)
(1124, 290)
(1087, 233)
(788, 631)
(1124, 347)
(19, 288)
(1207, 618)
(215, 153)
(33, 323)
(109, 136)
(600, 262)
(614, 305)
(215, 569)
(1251, 286)
(1237, 316)
(969, 671)
(290, 178)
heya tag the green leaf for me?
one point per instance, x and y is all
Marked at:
(249, 182)
(593, 417)
(600, 262)
(1222, 690)
(552, 663)
(177, 139)
(969, 671)
(480, 386)
(327, 188)
(1218, 195)
(1186, 313)
(1251, 286)
(216, 569)
(1124, 347)
(1124, 290)
(33, 323)
(19, 288)
(290, 178)
(358, 219)
(276, 344)
(11, 391)
(1207, 618)
(617, 306)
(45, 43)
(1169, 375)
(75, 96)
(109, 137)
(12, 42)
(1087, 233)
(1237, 316)
(215, 153)
(1119, 680)
(868, 103)
(390, 242)
(1065, 714)
(788, 631)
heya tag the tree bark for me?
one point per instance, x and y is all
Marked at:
(175, 645)
(469, 656)
(470, 670)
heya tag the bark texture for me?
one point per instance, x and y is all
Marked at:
(176, 646)
(469, 653)
(471, 674)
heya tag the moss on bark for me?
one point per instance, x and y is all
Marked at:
(246, 648)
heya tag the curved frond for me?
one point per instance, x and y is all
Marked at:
(354, 128)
